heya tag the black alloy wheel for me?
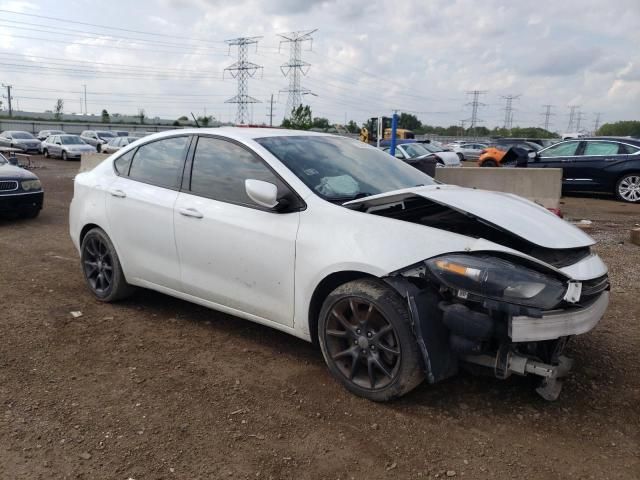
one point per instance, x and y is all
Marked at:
(98, 265)
(101, 267)
(367, 342)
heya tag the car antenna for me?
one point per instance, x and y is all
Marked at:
(195, 120)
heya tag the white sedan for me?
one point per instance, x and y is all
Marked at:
(398, 278)
(413, 151)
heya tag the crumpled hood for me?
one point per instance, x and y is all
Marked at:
(506, 211)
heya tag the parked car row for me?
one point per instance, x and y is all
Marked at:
(28, 143)
(589, 164)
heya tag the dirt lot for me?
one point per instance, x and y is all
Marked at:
(158, 388)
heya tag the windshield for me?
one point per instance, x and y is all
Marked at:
(71, 140)
(430, 147)
(342, 169)
(415, 150)
(105, 134)
(23, 135)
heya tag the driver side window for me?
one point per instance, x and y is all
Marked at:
(566, 149)
(220, 168)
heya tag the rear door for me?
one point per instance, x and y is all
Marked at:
(54, 146)
(140, 210)
(232, 251)
(590, 168)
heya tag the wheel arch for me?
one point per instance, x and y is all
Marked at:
(322, 291)
(86, 229)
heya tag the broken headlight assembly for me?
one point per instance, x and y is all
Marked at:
(497, 279)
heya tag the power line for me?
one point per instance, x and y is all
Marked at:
(295, 67)
(242, 70)
(108, 27)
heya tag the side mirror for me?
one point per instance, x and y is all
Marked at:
(533, 155)
(263, 193)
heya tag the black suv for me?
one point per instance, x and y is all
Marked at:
(596, 164)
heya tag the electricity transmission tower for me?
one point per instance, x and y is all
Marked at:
(572, 117)
(547, 116)
(579, 117)
(242, 70)
(596, 123)
(296, 67)
(475, 103)
(508, 110)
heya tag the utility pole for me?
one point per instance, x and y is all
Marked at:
(8, 87)
(596, 124)
(474, 107)
(242, 70)
(547, 115)
(572, 117)
(508, 110)
(270, 114)
(85, 98)
(296, 67)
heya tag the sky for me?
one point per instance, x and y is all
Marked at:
(366, 59)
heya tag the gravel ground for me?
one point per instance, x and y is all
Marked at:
(155, 387)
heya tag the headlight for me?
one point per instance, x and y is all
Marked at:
(498, 279)
(31, 185)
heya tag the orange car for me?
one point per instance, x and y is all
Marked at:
(492, 156)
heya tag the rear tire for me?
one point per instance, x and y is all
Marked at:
(461, 157)
(45, 152)
(101, 267)
(489, 163)
(628, 188)
(99, 148)
(365, 336)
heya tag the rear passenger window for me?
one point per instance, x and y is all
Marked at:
(159, 162)
(628, 149)
(122, 163)
(220, 168)
(601, 148)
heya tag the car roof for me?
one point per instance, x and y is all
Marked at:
(631, 140)
(241, 133)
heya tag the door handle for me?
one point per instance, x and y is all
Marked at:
(190, 212)
(117, 193)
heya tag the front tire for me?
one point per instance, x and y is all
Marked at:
(628, 188)
(45, 152)
(461, 157)
(64, 156)
(99, 147)
(101, 267)
(489, 163)
(365, 336)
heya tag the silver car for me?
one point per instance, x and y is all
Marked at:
(97, 138)
(66, 147)
(117, 143)
(21, 140)
(44, 134)
(469, 151)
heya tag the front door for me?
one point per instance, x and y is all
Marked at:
(140, 210)
(562, 155)
(232, 251)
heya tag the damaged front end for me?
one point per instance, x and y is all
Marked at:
(499, 314)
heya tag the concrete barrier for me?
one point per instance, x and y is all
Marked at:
(541, 185)
(88, 161)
